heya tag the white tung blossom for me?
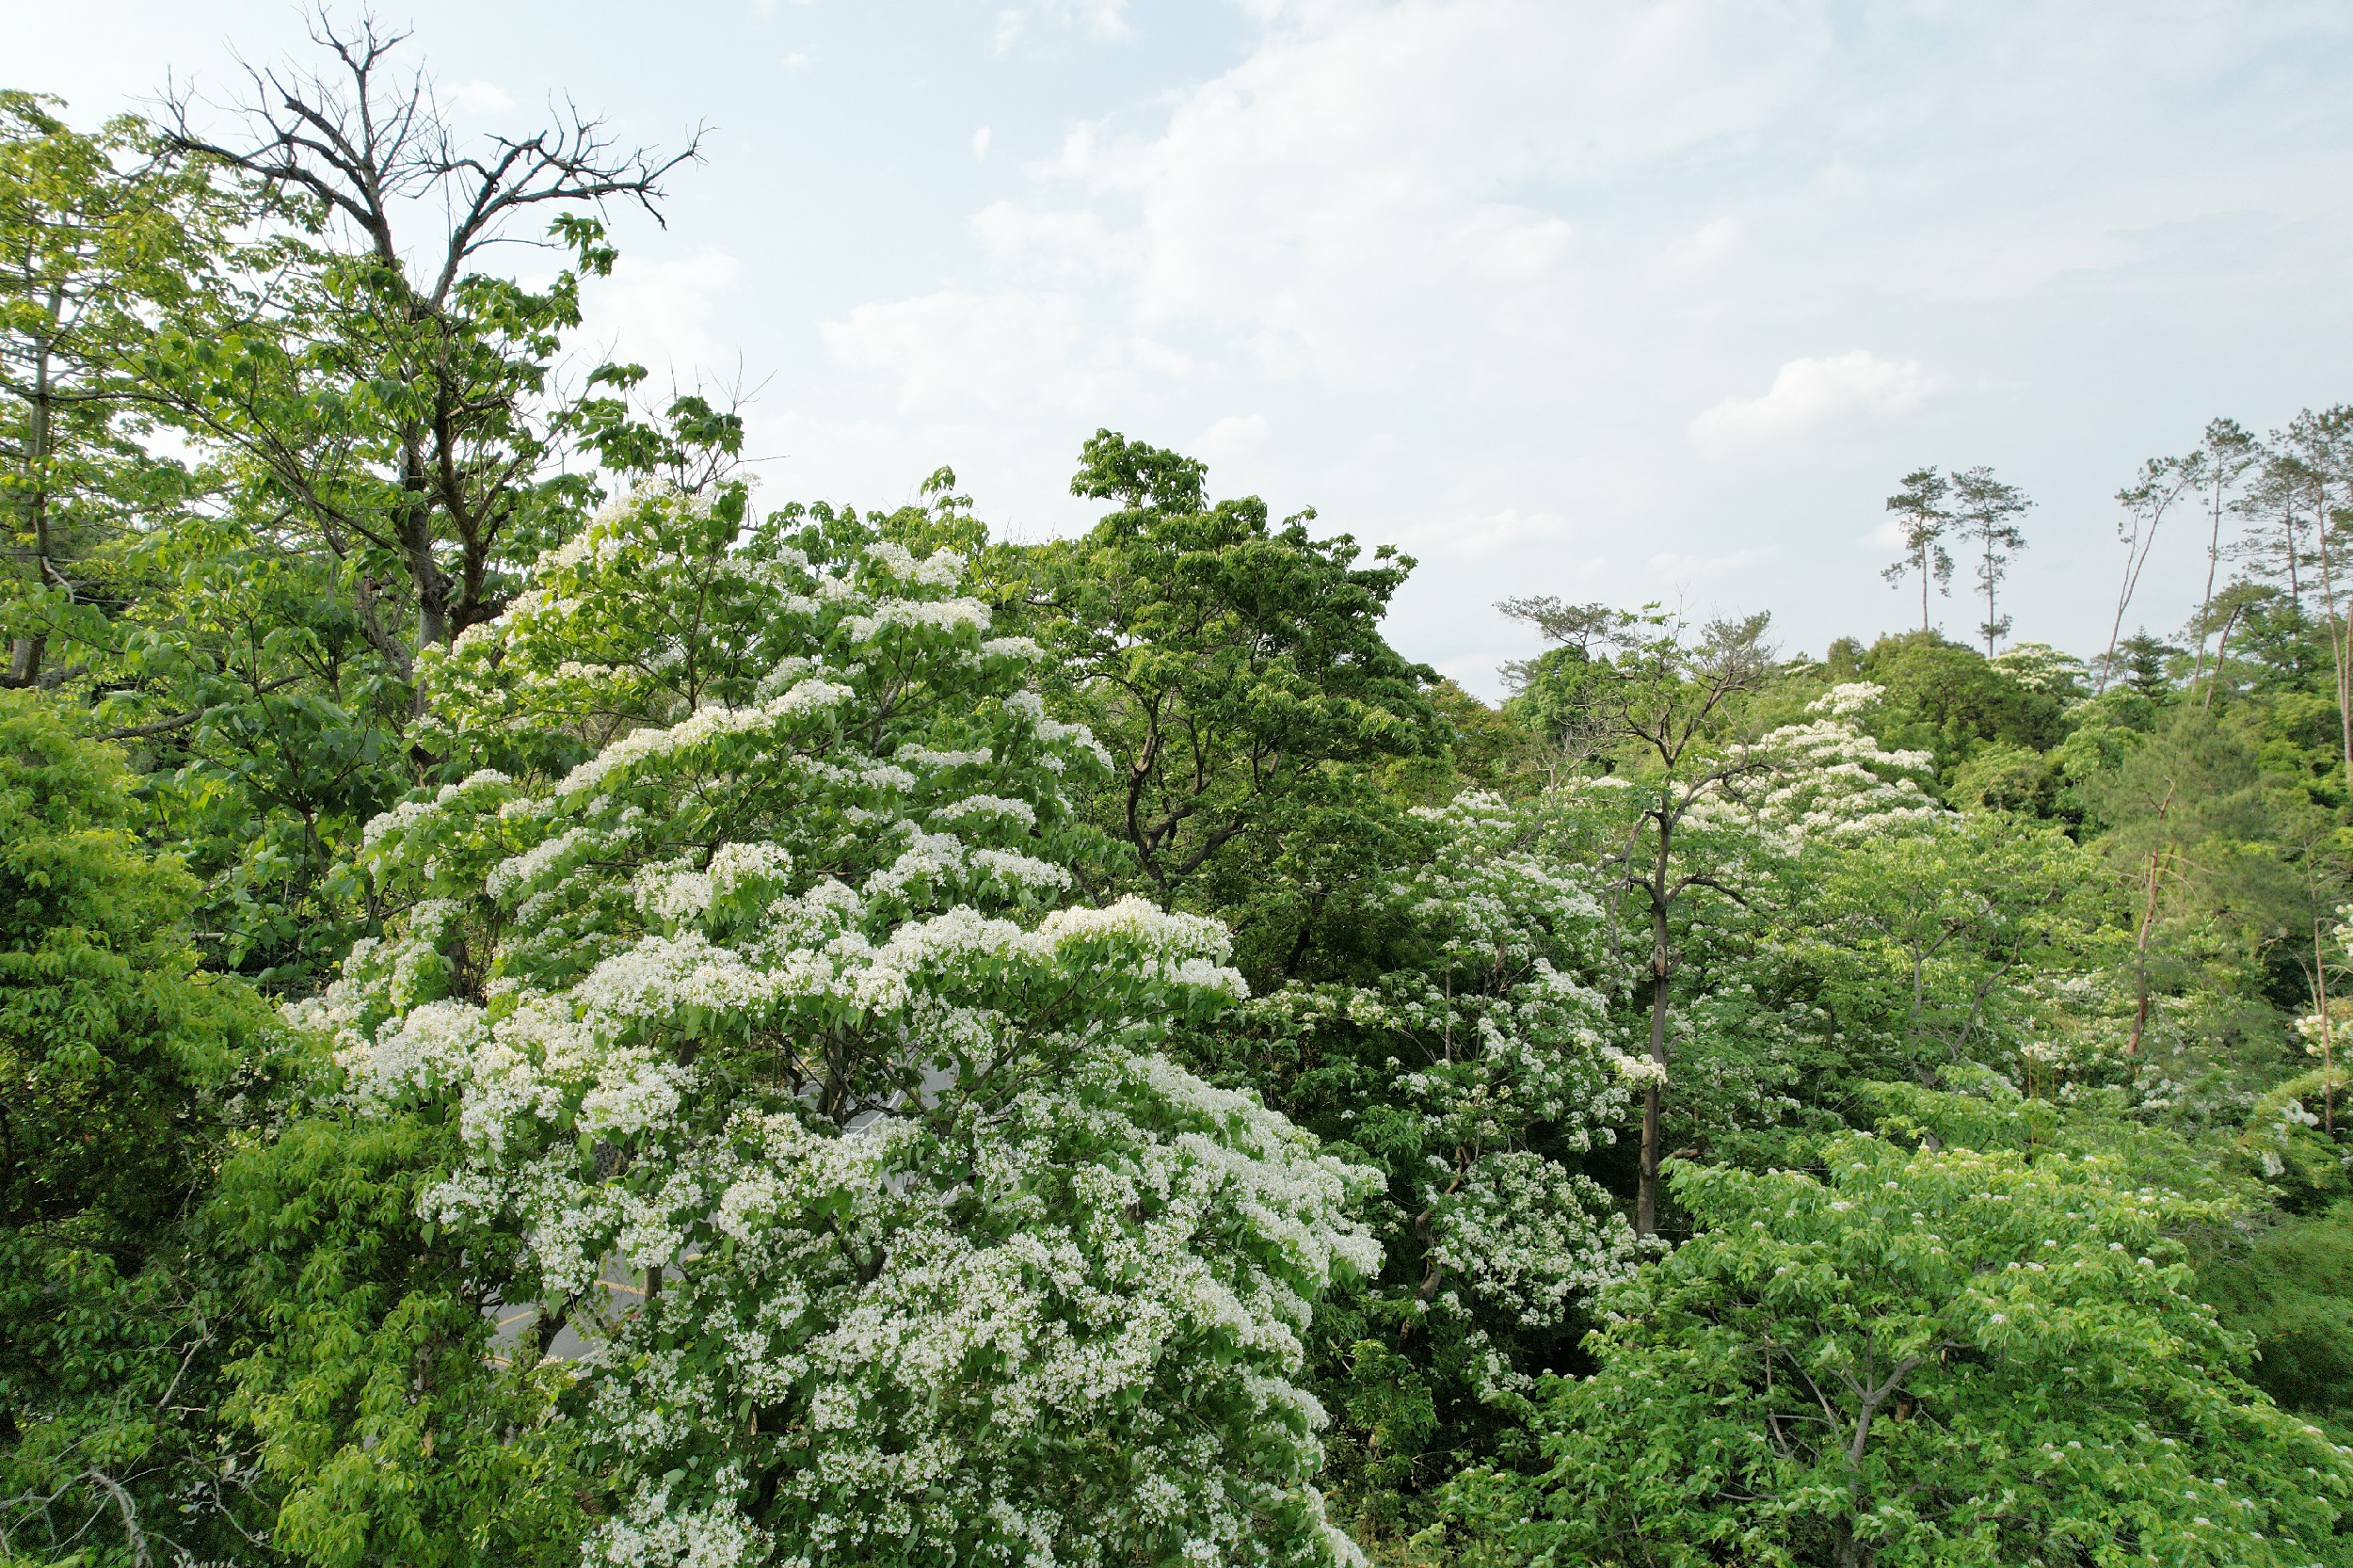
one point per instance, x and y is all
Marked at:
(1846, 701)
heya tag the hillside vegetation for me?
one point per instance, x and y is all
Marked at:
(556, 1010)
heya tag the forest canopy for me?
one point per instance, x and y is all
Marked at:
(557, 1008)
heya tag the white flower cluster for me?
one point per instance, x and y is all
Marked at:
(805, 696)
(1524, 1230)
(1825, 780)
(680, 891)
(1845, 702)
(1031, 708)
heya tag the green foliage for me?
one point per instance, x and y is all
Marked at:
(123, 1067)
(1919, 1358)
(2290, 1288)
(1949, 699)
(1938, 950)
(1472, 1068)
(399, 1420)
(746, 1043)
(2000, 775)
(298, 512)
(99, 233)
(1485, 750)
(1230, 662)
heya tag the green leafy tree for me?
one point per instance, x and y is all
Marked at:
(394, 398)
(2290, 1288)
(1486, 749)
(121, 1072)
(1951, 699)
(393, 1410)
(2215, 474)
(1235, 666)
(1474, 1067)
(1661, 698)
(1755, 1056)
(1920, 1357)
(1938, 950)
(2187, 829)
(2161, 482)
(2310, 468)
(1986, 512)
(98, 231)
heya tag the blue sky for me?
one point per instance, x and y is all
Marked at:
(1613, 300)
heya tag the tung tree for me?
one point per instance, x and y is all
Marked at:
(1664, 700)
(1474, 1069)
(827, 1139)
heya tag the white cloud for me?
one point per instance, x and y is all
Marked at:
(1703, 249)
(796, 59)
(480, 97)
(1476, 264)
(1014, 351)
(1512, 244)
(1811, 394)
(1099, 19)
(1232, 439)
(1484, 534)
(1052, 245)
(980, 143)
(1679, 568)
(1375, 180)
(1476, 672)
(665, 314)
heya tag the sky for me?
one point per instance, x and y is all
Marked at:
(1611, 300)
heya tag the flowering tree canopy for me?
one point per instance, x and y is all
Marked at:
(1475, 1071)
(828, 1136)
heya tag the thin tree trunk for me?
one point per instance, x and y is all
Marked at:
(2327, 1037)
(2141, 943)
(2339, 633)
(2205, 605)
(1661, 969)
(1989, 619)
(2296, 580)
(2221, 645)
(1646, 1194)
(24, 656)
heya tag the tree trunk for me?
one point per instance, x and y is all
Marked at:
(2340, 632)
(1661, 970)
(2140, 961)
(2327, 1037)
(1991, 619)
(2205, 605)
(26, 654)
(2141, 943)
(1646, 1194)
(2296, 580)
